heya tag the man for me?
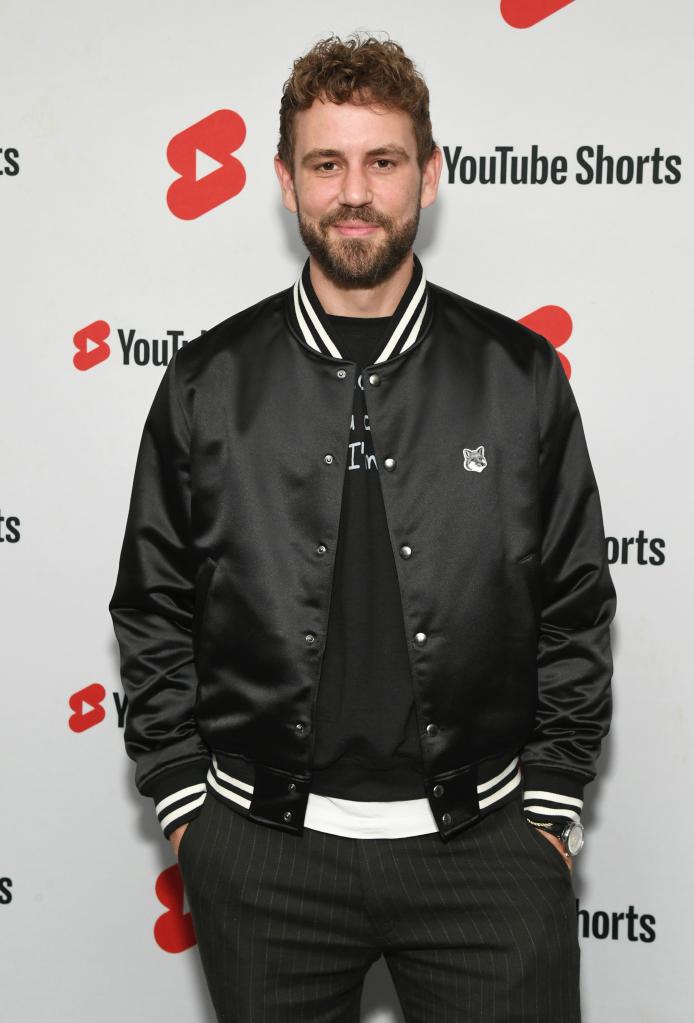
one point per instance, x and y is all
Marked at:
(363, 606)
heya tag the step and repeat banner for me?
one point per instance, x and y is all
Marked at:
(139, 207)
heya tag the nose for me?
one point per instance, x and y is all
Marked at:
(355, 189)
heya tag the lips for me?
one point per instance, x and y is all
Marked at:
(355, 230)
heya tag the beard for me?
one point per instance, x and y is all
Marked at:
(359, 262)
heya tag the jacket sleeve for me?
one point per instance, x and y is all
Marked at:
(578, 604)
(152, 613)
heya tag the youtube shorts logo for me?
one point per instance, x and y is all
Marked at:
(91, 345)
(209, 174)
(87, 708)
(526, 13)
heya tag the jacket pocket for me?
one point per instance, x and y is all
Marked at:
(548, 848)
(527, 583)
(191, 824)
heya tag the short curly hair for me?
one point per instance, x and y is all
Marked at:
(361, 70)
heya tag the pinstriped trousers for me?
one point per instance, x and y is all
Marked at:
(481, 928)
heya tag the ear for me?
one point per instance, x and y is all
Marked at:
(286, 184)
(430, 178)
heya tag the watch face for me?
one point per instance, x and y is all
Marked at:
(574, 839)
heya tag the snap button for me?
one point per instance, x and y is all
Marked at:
(446, 818)
(342, 373)
(389, 464)
(321, 548)
(420, 638)
(433, 730)
(405, 551)
(291, 787)
(287, 815)
(438, 790)
(299, 727)
(310, 638)
(328, 459)
(374, 379)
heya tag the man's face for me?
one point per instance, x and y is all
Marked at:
(357, 189)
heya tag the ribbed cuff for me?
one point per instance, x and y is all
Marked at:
(551, 795)
(179, 794)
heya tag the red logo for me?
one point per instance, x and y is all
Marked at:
(91, 346)
(173, 930)
(555, 324)
(92, 697)
(525, 13)
(211, 139)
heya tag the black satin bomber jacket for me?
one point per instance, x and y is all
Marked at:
(221, 601)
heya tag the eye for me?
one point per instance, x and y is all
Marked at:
(326, 163)
(383, 159)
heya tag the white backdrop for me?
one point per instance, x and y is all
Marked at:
(91, 96)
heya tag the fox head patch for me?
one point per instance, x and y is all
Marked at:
(474, 459)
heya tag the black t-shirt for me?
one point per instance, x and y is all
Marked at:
(367, 744)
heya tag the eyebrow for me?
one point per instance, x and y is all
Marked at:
(387, 150)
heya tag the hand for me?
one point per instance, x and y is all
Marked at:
(176, 836)
(556, 842)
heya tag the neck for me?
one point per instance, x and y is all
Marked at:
(381, 300)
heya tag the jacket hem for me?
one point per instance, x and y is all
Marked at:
(498, 782)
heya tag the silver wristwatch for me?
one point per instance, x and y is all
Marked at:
(570, 833)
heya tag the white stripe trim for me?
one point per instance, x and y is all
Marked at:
(554, 797)
(404, 320)
(227, 793)
(486, 785)
(482, 787)
(180, 811)
(552, 811)
(414, 333)
(320, 329)
(509, 787)
(308, 336)
(181, 794)
(228, 777)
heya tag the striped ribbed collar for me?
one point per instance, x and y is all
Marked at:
(403, 329)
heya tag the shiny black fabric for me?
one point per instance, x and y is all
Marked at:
(221, 600)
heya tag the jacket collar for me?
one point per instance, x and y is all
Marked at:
(404, 327)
